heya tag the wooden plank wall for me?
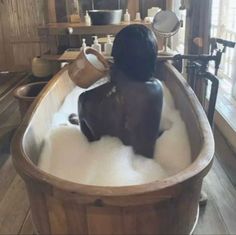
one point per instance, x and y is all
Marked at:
(52, 15)
(19, 21)
(2, 49)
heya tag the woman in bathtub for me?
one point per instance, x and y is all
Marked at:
(129, 106)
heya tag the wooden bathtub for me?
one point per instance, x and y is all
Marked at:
(162, 207)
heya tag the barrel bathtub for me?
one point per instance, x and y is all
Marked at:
(169, 206)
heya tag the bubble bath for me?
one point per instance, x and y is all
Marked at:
(68, 155)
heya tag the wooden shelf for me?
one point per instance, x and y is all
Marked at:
(57, 29)
(81, 28)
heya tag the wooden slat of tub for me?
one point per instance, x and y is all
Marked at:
(129, 221)
(105, 221)
(13, 208)
(38, 209)
(149, 219)
(154, 220)
(57, 216)
(76, 218)
(188, 202)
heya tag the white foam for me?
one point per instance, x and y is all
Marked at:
(67, 154)
(172, 149)
(107, 162)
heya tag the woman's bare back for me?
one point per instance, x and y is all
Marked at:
(128, 110)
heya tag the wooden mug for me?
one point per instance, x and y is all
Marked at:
(83, 72)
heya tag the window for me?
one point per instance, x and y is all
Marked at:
(223, 25)
(178, 40)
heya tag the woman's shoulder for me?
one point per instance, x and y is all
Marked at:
(96, 93)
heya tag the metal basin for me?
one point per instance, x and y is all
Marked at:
(105, 17)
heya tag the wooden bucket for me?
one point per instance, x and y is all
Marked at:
(162, 207)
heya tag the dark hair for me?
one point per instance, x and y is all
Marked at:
(135, 52)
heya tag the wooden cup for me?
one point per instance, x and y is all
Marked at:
(83, 73)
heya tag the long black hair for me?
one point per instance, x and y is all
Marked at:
(135, 52)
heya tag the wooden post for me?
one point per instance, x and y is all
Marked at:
(133, 7)
(2, 49)
(198, 25)
(6, 32)
(52, 15)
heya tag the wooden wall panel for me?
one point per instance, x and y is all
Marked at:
(25, 16)
(2, 50)
(24, 52)
(20, 20)
(5, 22)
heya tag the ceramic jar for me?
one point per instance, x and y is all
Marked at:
(41, 68)
(89, 67)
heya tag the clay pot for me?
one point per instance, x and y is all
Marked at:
(83, 72)
(26, 94)
(41, 68)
